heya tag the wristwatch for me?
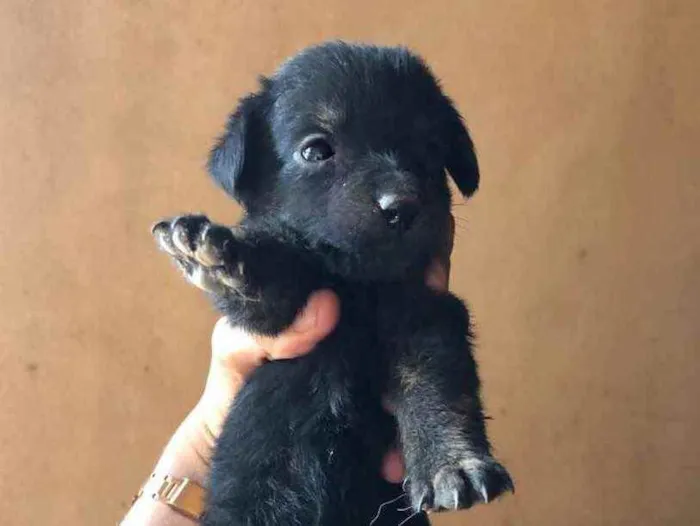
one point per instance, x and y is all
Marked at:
(183, 495)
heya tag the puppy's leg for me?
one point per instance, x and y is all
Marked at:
(258, 282)
(270, 463)
(435, 394)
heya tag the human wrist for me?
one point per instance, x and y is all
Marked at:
(186, 456)
(196, 437)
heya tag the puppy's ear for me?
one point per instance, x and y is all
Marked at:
(461, 158)
(235, 159)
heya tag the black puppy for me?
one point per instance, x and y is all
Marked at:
(339, 161)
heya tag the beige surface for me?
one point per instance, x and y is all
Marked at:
(579, 255)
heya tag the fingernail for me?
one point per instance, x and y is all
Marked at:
(307, 319)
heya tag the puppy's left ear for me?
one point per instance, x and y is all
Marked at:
(461, 158)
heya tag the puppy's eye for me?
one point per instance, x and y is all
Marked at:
(316, 150)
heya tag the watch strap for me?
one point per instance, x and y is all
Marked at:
(183, 495)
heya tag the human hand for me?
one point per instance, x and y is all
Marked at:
(236, 353)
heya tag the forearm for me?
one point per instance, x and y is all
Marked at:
(187, 454)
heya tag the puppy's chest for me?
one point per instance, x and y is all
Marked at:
(363, 313)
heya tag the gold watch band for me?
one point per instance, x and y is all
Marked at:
(181, 494)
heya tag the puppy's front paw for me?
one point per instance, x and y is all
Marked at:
(472, 480)
(207, 254)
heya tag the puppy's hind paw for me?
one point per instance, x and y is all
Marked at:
(207, 253)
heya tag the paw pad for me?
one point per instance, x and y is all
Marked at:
(205, 252)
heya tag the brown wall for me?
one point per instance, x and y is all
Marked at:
(579, 255)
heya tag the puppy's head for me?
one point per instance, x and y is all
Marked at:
(349, 146)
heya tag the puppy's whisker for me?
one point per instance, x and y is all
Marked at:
(381, 507)
(461, 223)
(412, 515)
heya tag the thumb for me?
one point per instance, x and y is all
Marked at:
(317, 319)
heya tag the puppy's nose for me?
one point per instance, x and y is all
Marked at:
(399, 212)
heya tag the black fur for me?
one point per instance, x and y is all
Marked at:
(304, 439)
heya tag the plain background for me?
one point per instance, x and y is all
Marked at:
(579, 255)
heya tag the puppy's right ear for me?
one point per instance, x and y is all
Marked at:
(234, 160)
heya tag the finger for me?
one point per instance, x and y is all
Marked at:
(438, 274)
(449, 240)
(318, 318)
(437, 277)
(392, 468)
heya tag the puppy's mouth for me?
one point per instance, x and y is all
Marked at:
(393, 251)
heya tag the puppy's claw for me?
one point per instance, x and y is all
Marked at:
(471, 481)
(161, 232)
(160, 227)
(422, 499)
(488, 479)
(205, 252)
(214, 242)
(449, 489)
(484, 493)
(180, 238)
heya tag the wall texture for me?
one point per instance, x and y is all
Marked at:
(580, 255)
